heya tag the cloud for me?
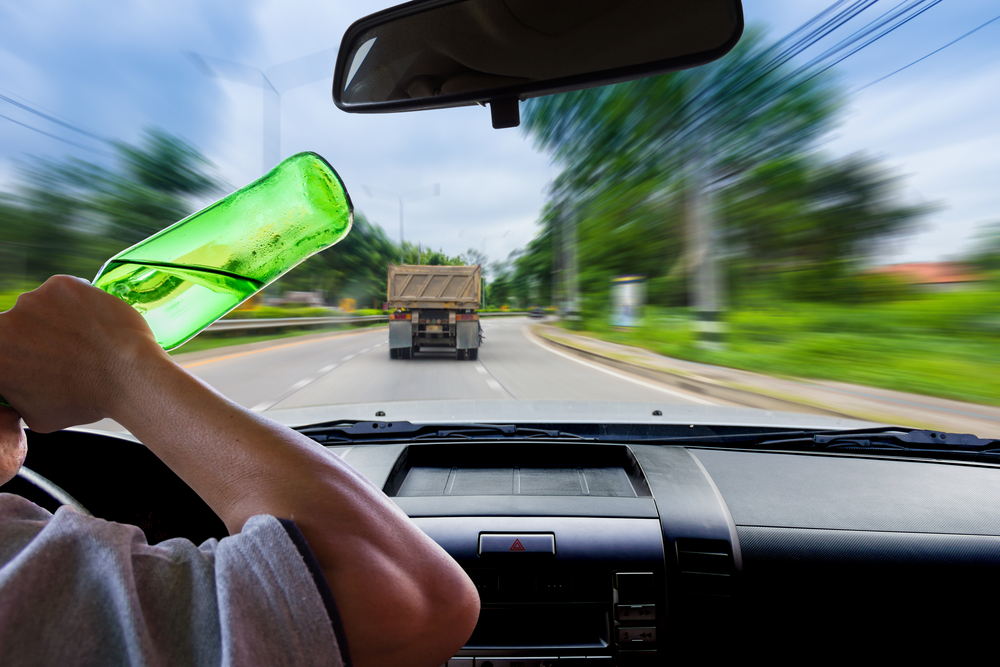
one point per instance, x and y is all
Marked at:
(115, 67)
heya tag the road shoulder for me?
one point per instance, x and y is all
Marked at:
(756, 390)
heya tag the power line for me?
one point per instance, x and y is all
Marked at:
(52, 119)
(57, 138)
(894, 18)
(871, 41)
(954, 41)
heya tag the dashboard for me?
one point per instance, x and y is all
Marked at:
(614, 554)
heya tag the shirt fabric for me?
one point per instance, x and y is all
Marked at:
(77, 590)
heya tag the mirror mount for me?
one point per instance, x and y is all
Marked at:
(505, 113)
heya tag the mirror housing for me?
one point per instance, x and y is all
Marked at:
(433, 54)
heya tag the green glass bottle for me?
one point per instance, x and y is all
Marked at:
(190, 274)
(185, 277)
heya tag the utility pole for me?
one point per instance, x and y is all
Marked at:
(706, 288)
(411, 196)
(573, 266)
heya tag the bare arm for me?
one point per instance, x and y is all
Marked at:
(404, 601)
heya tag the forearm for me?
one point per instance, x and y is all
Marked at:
(72, 354)
(378, 564)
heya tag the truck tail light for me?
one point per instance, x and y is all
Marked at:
(399, 316)
(470, 316)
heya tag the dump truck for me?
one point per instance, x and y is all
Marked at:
(434, 308)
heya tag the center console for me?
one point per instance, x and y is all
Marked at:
(563, 544)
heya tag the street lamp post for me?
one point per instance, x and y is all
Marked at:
(411, 196)
(274, 82)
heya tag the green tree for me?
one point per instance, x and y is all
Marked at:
(70, 216)
(650, 169)
(808, 223)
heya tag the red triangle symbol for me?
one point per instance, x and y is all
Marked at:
(516, 546)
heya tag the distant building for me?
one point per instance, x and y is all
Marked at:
(932, 276)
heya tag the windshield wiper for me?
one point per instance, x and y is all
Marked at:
(347, 430)
(896, 440)
(888, 440)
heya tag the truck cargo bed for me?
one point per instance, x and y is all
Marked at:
(440, 287)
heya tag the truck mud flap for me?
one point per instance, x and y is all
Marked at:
(467, 335)
(400, 334)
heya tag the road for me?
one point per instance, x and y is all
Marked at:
(355, 368)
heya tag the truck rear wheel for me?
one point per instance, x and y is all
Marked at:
(460, 354)
(394, 353)
(473, 354)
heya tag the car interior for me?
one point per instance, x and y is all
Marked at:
(625, 549)
(623, 553)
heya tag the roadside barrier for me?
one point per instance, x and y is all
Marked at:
(271, 324)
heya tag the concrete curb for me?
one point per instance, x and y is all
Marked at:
(740, 397)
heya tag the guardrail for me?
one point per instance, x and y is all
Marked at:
(266, 324)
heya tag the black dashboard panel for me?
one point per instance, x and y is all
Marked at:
(711, 554)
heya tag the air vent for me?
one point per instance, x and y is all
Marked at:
(706, 567)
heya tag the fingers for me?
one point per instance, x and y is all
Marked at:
(13, 444)
(66, 349)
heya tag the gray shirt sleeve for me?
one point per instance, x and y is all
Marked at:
(77, 590)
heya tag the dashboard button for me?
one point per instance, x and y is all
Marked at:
(635, 587)
(630, 635)
(631, 613)
(515, 543)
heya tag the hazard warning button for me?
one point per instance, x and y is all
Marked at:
(517, 543)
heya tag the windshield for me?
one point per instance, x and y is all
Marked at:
(810, 225)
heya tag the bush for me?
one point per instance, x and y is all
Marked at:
(273, 312)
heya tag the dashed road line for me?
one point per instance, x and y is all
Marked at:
(301, 383)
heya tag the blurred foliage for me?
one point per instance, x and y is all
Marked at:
(933, 344)
(265, 312)
(357, 267)
(985, 253)
(71, 216)
(642, 160)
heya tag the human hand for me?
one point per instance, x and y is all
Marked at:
(68, 352)
(13, 444)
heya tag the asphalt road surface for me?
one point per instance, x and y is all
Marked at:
(355, 367)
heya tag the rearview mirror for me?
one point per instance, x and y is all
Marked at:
(432, 54)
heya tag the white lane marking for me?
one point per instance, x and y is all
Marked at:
(349, 357)
(482, 369)
(327, 368)
(301, 383)
(260, 407)
(620, 376)
(494, 384)
(365, 351)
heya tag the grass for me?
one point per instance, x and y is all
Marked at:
(945, 345)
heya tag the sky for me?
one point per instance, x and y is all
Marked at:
(115, 67)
